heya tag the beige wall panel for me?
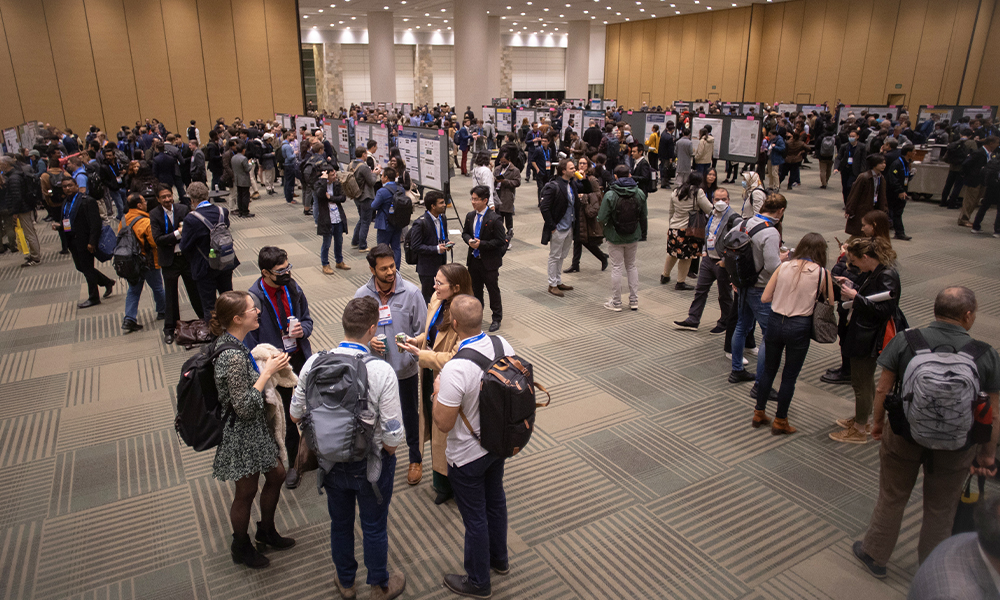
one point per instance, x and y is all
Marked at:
(926, 87)
(254, 63)
(981, 70)
(648, 60)
(879, 48)
(716, 73)
(702, 55)
(662, 33)
(852, 57)
(830, 49)
(689, 39)
(611, 55)
(81, 100)
(807, 71)
(769, 49)
(958, 49)
(113, 61)
(729, 90)
(10, 103)
(788, 56)
(753, 53)
(28, 44)
(149, 55)
(906, 46)
(283, 50)
(744, 49)
(219, 45)
(673, 66)
(624, 63)
(635, 67)
(187, 69)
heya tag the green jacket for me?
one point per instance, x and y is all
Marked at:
(619, 189)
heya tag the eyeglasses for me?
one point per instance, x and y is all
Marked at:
(439, 284)
(287, 269)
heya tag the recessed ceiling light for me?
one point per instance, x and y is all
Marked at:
(354, 18)
(515, 24)
(409, 29)
(653, 16)
(673, 6)
(545, 9)
(605, 22)
(331, 24)
(734, 4)
(561, 16)
(443, 10)
(418, 26)
(586, 12)
(512, 31)
(539, 18)
(642, 10)
(385, 8)
(404, 20)
(305, 16)
(333, 6)
(427, 14)
(320, 10)
(446, 20)
(677, 12)
(618, 14)
(347, 28)
(709, 7)
(341, 22)
(557, 29)
(626, 18)
(508, 8)
(592, 17)
(449, 29)
(314, 27)
(608, 7)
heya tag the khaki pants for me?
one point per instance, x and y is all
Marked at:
(970, 203)
(267, 179)
(899, 464)
(772, 176)
(863, 382)
(30, 235)
(825, 168)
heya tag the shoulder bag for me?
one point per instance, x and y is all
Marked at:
(697, 220)
(824, 327)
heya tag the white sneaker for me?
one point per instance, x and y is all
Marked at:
(996, 235)
(976, 231)
(633, 305)
(613, 307)
(729, 355)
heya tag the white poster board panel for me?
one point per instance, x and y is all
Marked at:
(409, 149)
(381, 135)
(489, 114)
(700, 107)
(344, 142)
(524, 113)
(978, 112)
(655, 119)
(787, 108)
(11, 141)
(609, 104)
(577, 116)
(430, 162)
(328, 132)
(362, 133)
(698, 122)
(744, 137)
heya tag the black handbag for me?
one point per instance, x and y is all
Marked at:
(824, 325)
(964, 521)
(190, 333)
(697, 221)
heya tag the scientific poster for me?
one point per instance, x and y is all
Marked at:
(577, 115)
(755, 106)
(744, 137)
(698, 122)
(787, 108)
(978, 112)
(593, 115)
(521, 114)
(381, 135)
(595, 104)
(328, 132)
(655, 119)
(344, 140)
(409, 149)
(430, 163)
(362, 134)
(610, 104)
(10, 140)
(503, 120)
(927, 111)
(489, 114)
(700, 108)
(808, 108)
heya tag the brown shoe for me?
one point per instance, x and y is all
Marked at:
(556, 291)
(850, 436)
(395, 587)
(781, 426)
(327, 270)
(849, 422)
(564, 287)
(343, 267)
(415, 473)
(347, 593)
(759, 418)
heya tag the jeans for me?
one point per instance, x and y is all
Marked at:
(559, 248)
(390, 236)
(118, 197)
(990, 199)
(479, 494)
(288, 178)
(751, 310)
(622, 258)
(360, 237)
(711, 271)
(731, 321)
(337, 237)
(345, 483)
(703, 168)
(155, 281)
(409, 399)
(791, 334)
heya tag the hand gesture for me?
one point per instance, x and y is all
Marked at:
(276, 363)
(377, 346)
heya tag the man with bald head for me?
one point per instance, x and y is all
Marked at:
(900, 460)
(476, 476)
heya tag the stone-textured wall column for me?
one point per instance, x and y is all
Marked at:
(423, 76)
(578, 59)
(471, 55)
(493, 50)
(320, 72)
(334, 67)
(382, 56)
(506, 73)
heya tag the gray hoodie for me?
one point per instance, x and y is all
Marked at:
(766, 250)
(409, 314)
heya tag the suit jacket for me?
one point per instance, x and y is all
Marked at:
(324, 226)
(861, 200)
(858, 154)
(85, 224)
(642, 173)
(195, 240)
(955, 569)
(553, 204)
(425, 242)
(593, 136)
(241, 170)
(198, 172)
(166, 237)
(492, 238)
(972, 168)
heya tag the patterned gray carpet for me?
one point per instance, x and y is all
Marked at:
(644, 479)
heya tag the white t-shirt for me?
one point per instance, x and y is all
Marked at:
(334, 210)
(460, 387)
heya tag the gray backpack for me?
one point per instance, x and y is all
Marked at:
(939, 392)
(221, 255)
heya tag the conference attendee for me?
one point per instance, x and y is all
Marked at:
(241, 179)
(227, 173)
(112, 175)
(167, 221)
(476, 476)
(430, 241)
(267, 163)
(195, 244)
(198, 169)
(775, 146)
(955, 155)
(81, 221)
(590, 232)
(248, 448)
(867, 194)
(347, 483)
(484, 234)
(974, 180)
(897, 178)
(137, 219)
(866, 328)
(52, 195)
(402, 310)
(17, 206)
(286, 324)
(288, 167)
(541, 160)
(945, 471)
(667, 153)
(433, 348)
(681, 247)
(331, 221)
(482, 175)
(704, 152)
(851, 162)
(366, 179)
(685, 154)
(508, 179)
(557, 204)
(623, 204)
(385, 232)
(592, 136)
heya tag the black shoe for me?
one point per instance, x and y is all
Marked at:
(500, 568)
(88, 303)
(292, 478)
(836, 378)
(245, 554)
(604, 263)
(30, 263)
(642, 239)
(168, 337)
(902, 236)
(64, 251)
(461, 586)
(161, 316)
(772, 396)
(664, 279)
(248, 215)
(683, 287)
(267, 535)
(108, 289)
(741, 375)
(718, 329)
(494, 326)
(687, 324)
(869, 562)
(307, 212)
(572, 270)
(128, 326)
(443, 497)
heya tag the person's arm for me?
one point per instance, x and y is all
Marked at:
(986, 455)
(703, 203)
(604, 213)
(467, 231)
(305, 319)
(498, 239)
(297, 409)
(387, 392)
(882, 389)
(380, 197)
(93, 217)
(447, 399)
(771, 249)
(768, 294)
(545, 205)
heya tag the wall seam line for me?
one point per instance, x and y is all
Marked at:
(267, 45)
(93, 60)
(968, 54)
(128, 37)
(48, 35)
(6, 40)
(170, 74)
(201, 44)
(236, 53)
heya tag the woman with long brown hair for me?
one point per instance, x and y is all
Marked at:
(248, 448)
(433, 348)
(591, 231)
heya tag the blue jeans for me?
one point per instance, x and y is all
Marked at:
(289, 180)
(752, 310)
(118, 197)
(360, 237)
(791, 334)
(155, 281)
(338, 245)
(344, 484)
(478, 488)
(390, 236)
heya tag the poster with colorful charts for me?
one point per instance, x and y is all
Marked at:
(381, 135)
(503, 120)
(10, 140)
(409, 149)
(344, 142)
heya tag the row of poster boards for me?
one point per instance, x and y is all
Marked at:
(728, 108)
(737, 138)
(873, 109)
(424, 151)
(954, 113)
(22, 136)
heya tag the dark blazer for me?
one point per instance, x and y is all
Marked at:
(85, 224)
(642, 173)
(972, 168)
(593, 136)
(163, 167)
(425, 242)
(859, 153)
(866, 329)
(166, 240)
(268, 332)
(492, 238)
(861, 200)
(553, 205)
(666, 151)
(195, 239)
(197, 171)
(323, 224)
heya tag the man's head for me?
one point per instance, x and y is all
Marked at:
(435, 203)
(274, 268)
(372, 145)
(906, 151)
(637, 151)
(466, 315)
(992, 143)
(774, 206)
(109, 155)
(136, 201)
(622, 172)
(721, 195)
(956, 305)
(876, 162)
(198, 192)
(566, 168)
(382, 263)
(69, 185)
(480, 196)
(165, 196)
(545, 142)
(852, 137)
(388, 174)
(360, 319)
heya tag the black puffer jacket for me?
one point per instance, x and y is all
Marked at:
(866, 329)
(13, 193)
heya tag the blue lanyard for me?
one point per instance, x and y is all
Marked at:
(204, 204)
(437, 314)
(113, 172)
(166, 222)
(68, 213)
(254, 363)
(715, 233)
(472, 340)
(545, 153)
(768, 219)
(353, 346)
(441, 222)
(291, 312)
(906, 172)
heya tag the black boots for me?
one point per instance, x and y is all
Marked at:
(267, 535)
(245, 554)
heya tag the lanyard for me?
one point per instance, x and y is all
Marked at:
(68, 213)
(472, 340)
(254, 363)
(113, 172)
(353, 346)
(768, 219)
(906, 171)
(204, 204)
(545, 153)
(166, 222)
(437, 314)
(291, 312)
(715, 233)
(440, 221)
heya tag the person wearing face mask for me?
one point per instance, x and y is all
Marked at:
(868, 193)
(850, 162)
(285, 323)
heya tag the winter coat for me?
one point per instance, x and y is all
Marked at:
(587, 208)
(509, 180)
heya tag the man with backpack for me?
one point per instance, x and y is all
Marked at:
(207, 245)
(365, 178)
(52, 195)
(955, 155)
(942, 378)
(973, 180)
(136, 236)
(366, 477)
(393, 209)
(476, 475)
(558, 207)
(825, 152)
(623, 209)
(17, 205)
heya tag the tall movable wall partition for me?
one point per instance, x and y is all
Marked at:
(954, 113)
(737, 138)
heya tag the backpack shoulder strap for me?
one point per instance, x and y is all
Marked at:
(975, 349)
(498, 351)
(222, 216)
(758, 228)
(201, 218)
(916, 341)
(469, 354)
(226, 346)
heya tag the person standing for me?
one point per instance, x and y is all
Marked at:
(196, 246)
(682, 248)
(851, 161)
(430, 241)
(198, 170)
(705, 151)
(623, 205)
(867, 194)
(16, 202)
(112, 174)
(331, 221)
(653, 149)
(81, 221)
(955, 155)
(897, 177)
(590, 231)
(166, 222)
(775, 158)
(685, 154)
(484, 234)
(241, 179)
(507, 178)
(138, 220)
(385, 233)
(267, 163)
(558, 207)
(463, 139)
(213, 158)
(667, 153)
(541, 158)
(972, 177)
(366, 179)
(288, 167)
(52, 194)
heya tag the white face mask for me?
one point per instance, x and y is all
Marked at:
(744, 183)
(721, 206)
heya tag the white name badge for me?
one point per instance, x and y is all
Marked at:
(66, 225)
(290, 344)
(850, 160)
(384, 315)
(119, 179)
(548, 165)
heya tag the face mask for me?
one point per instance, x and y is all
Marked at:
(721, 206)
(854, 140)
(283, 279)
(744, 184)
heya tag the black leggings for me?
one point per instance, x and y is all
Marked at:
(246, 491)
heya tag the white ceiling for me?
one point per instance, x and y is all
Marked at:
(523, 16)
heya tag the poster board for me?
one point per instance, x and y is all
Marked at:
(741, 139)
(328, 134)
(344, 148)
(606, 104)
(746, 106)
(717, 128)
(504, 120)
(577, 115)
(430, 148)
(524, 113)
(954, 113)
(654, 119)
(808, 108)
(595, 104)
(597, 115)
(578, 102)
(408, 143)
(489, 114)
(362, 133)
(700, 107)
(10, 140)
(880, 110)
(380, 133)
(308, 122)
(787, 108)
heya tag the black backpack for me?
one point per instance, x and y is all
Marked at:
(506, 401)
(199, 422)
(409, 248)
(956, 153)
(518, 159)
(737, 255)
(95, 187)
(401, 208)
(625, 216)
(128, 259)
(55, 188)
